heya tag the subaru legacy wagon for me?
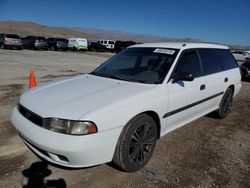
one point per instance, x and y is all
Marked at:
(118, 111)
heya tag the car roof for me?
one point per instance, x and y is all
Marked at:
(77, 38)
(180, 45)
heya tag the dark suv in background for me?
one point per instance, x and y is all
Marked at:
(96, 47)
(35, 43)
(57, 44)
(121, 45)
(10, 41)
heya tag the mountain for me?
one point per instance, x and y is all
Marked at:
(30, 28)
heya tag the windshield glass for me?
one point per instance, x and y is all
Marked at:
(146, 65)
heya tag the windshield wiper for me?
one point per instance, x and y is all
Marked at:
(123, 79)
(106, 76)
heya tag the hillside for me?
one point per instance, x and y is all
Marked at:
(29, 28)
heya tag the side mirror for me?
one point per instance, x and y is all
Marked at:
(183, 77)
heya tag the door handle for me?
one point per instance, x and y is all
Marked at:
(226, 79)
(202, 87)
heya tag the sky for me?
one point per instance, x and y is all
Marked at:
(222, 21)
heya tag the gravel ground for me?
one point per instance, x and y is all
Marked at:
(206, 153)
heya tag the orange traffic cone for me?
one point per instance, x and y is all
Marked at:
(32, 79)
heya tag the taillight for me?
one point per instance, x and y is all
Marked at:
(6, 39)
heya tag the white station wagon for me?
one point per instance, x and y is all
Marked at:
(118, 111)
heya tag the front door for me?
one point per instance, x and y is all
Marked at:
(184, 96)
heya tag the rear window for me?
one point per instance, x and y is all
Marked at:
(62, 40)
(246, 64)
(40, 38)
(226, 59)
(111, 42)
(210, 62)
(12, 36)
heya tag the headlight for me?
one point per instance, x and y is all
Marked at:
(70, 126)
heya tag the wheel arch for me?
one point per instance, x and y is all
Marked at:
(232, 87)
(156, 118)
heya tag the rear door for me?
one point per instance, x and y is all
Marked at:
(184, 96)
(214, 78)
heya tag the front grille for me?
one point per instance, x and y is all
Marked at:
(34, 118)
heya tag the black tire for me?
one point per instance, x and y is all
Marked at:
(225, 104)
(3, 46)
(136, 143)
(92, 49)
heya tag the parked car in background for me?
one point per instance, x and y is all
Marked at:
(240, 55)
(120, 110)
(121, 45)
(57, 44)
(110, 44)
(245, 71)
(78, 44)
(10, 41)
(96, 47)
(35, 42)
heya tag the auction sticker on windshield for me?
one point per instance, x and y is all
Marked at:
(164, 51)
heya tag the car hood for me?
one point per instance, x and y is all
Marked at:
(74, 97)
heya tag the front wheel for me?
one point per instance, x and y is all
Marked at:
(225, 104)
(136, 143)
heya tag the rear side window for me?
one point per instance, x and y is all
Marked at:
(226, 58)
(40, 38)
(189, 63)
(210, 62)
(12, 36)
(61, 40)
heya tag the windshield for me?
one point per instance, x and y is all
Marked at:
(145, 65)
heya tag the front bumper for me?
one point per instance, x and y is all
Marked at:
(13, 44)
(67, 150)
(41, 45)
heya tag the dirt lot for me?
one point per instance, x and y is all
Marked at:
(205, 153)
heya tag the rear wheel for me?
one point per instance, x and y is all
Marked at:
(225, 104)
(92, 49)
(3, 46)
(136, 143)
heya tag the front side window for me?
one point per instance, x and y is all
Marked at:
(146, 65)
(189, 63)
(210, 62)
